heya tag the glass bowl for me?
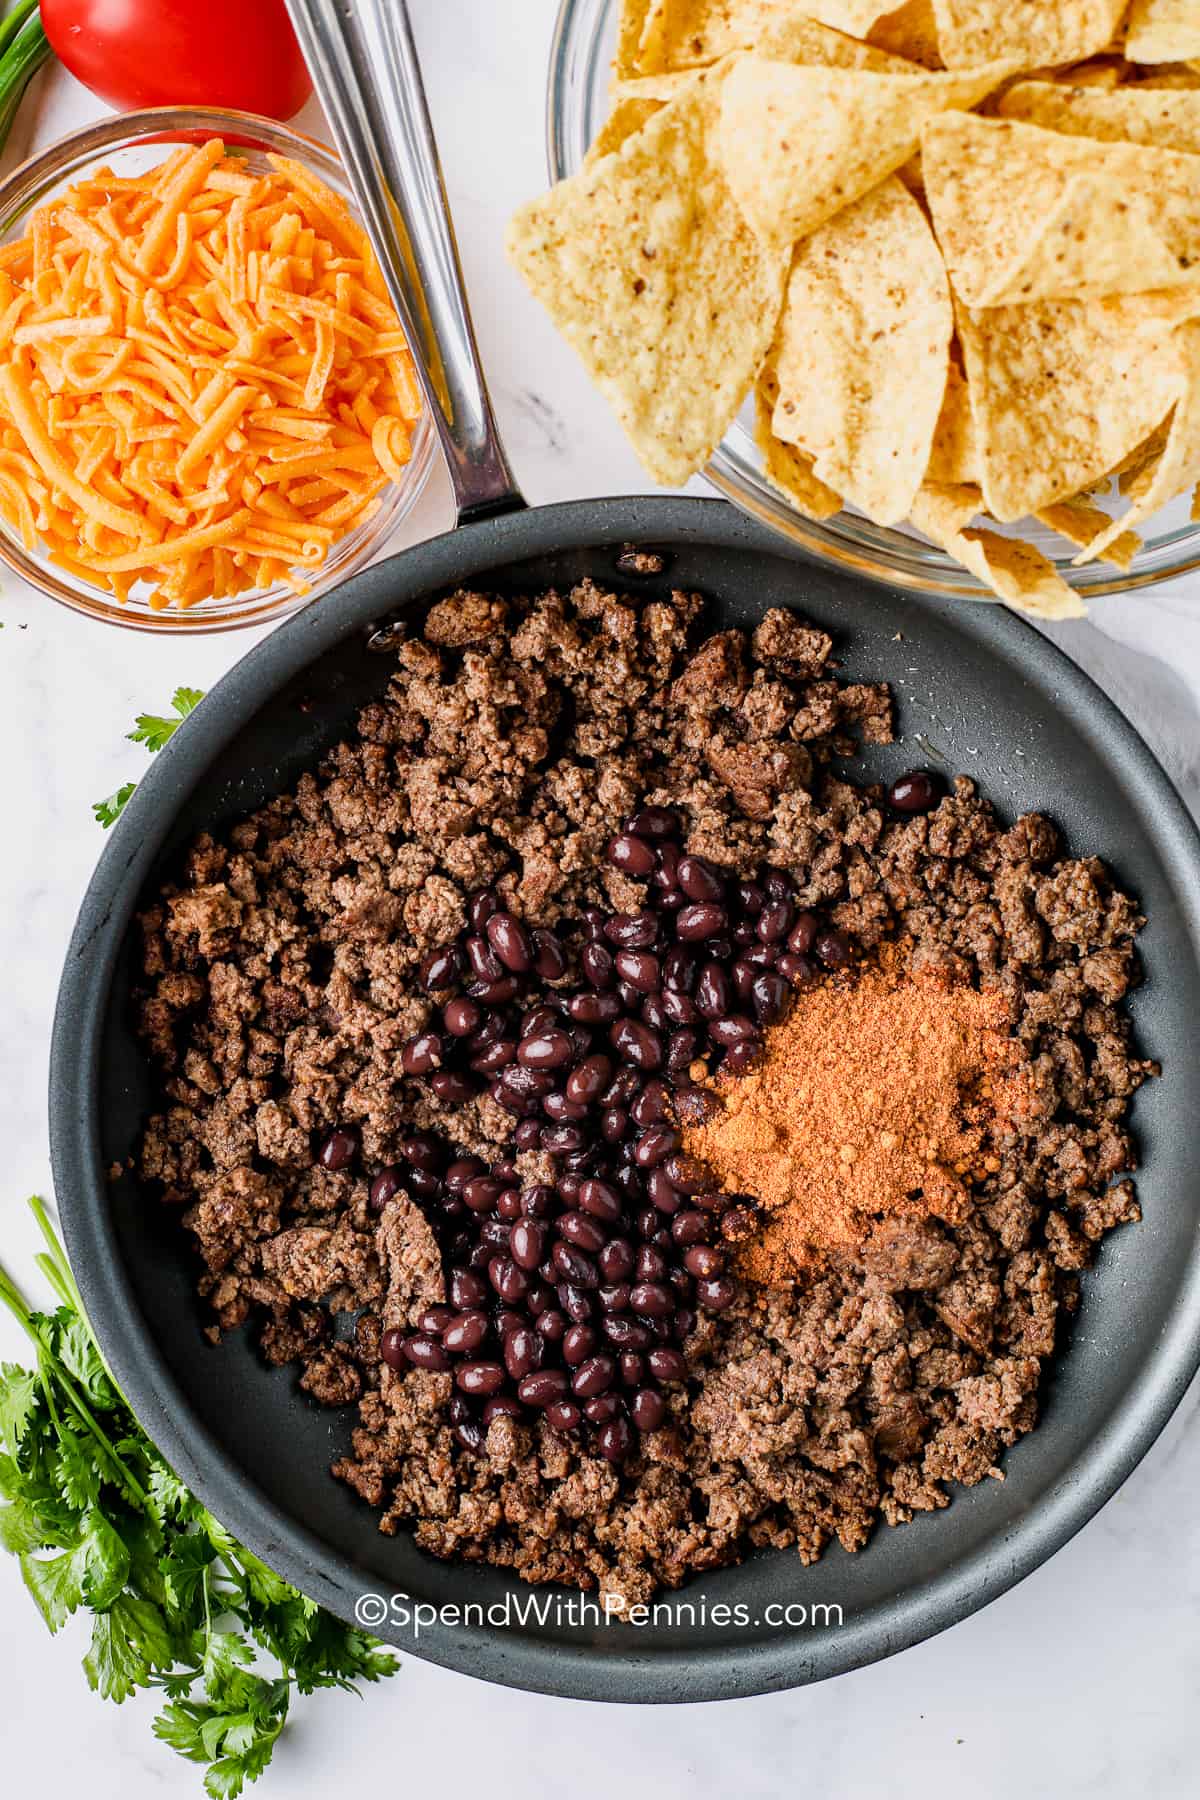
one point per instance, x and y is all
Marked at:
(577, 104)
(131, 144)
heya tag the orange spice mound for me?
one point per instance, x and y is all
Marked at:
(876, 1096)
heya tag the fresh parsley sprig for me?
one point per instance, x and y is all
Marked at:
(101, 1524)
(154, 730)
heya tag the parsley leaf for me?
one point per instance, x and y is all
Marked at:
(154, 730)
(109, 811)
(98, 1521)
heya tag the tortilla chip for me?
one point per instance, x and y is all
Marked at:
(686, 34)
(1020, 575)
(996, 185)
(1062, 391)
(1169, 75)
(911, 32)
(863, 349)
(1102, 72)
(1162, 31)
(647, 267)
(1178, 467)
(1164, 117)
(794, 39)
(630, 26)
(1081, 524)
(798, 144)
(624, 121)
(1140, 457)
(1039, 32)
(786, 467)
(954, 457)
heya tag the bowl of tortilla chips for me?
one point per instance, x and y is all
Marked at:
(918, 287)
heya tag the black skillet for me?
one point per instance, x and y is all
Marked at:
(977, 689)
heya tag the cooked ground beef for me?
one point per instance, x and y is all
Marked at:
(514, 739)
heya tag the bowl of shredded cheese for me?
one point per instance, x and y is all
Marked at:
(209, 413)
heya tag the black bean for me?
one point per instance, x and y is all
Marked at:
(563, 1111)
(637, 1044)
(508, 1206)
(714, 995)
(465, 1332)
(617, 1260)
(614, 1123)
(575, 1301)
(440, 968)
(527, 1243)
(640, 970)
(687, 1173)
(511, 942)
(667, 1365)
(594, 1376)
(761, 956)
(629, 1181)
(546, 1050)
(500, 1406)
(593, 920)
(495, 1232)
(798, 971)
(542, 1388)
(775, 921)
(632, 931)
(651, 1264)
(744, 934)
(551, 1324)
(653, 1105)
(614, 1297)
(600, 1199)
(603, 1408)
(563, 1415)
(655, 1145)
(803, 934)
(588, 1080)
(624, 1088)
(699, 880)
(581, 1231)
(648, 1409)
(653, 822)
(633, 1368)
(481, 1192)
(683, 1325)
(666, 865)
(694, 923)
(615, 1440)
(626, 1333)
(480, 1377)
(462, 1016)
(689, 1227)
(484, 962)
(750, 897)
(578, 1344)
(702, 1261)
(743, 974)
(466, 1289)
(451, 1088)
(523, 1351)
(480, 908)
(384, 1186)
(470, 1434)
(716, 1294)
(538, 1019)
(549, 957)
(574, 1266)
(771, 997)
(339, 1149)
(526, 1084)
(682, 1050)
(526, 1134)
(917, 792)
(833, 949)
(740, 1057)
(435, 1319)
(652, 1300)
(680, 968)
(391, 1349)
(594, 1009)
(494, 1056)
(494, 993)
(596, 961)
(735, 1029)
(508, 1278)
(632, 855)
(425, 1353)
(561, 1140)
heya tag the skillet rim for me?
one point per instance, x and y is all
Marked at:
(576, 1671)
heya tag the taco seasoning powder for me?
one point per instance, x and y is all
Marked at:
(877, 1096)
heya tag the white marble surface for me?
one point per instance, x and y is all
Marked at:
(1082, 1682)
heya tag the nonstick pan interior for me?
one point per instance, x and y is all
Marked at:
(979, 692)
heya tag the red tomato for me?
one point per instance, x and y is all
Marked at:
(238, 53)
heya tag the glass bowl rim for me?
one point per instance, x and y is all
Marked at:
(847, 541)
(256, 606)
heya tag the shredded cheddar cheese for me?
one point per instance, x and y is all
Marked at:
(203, 385)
